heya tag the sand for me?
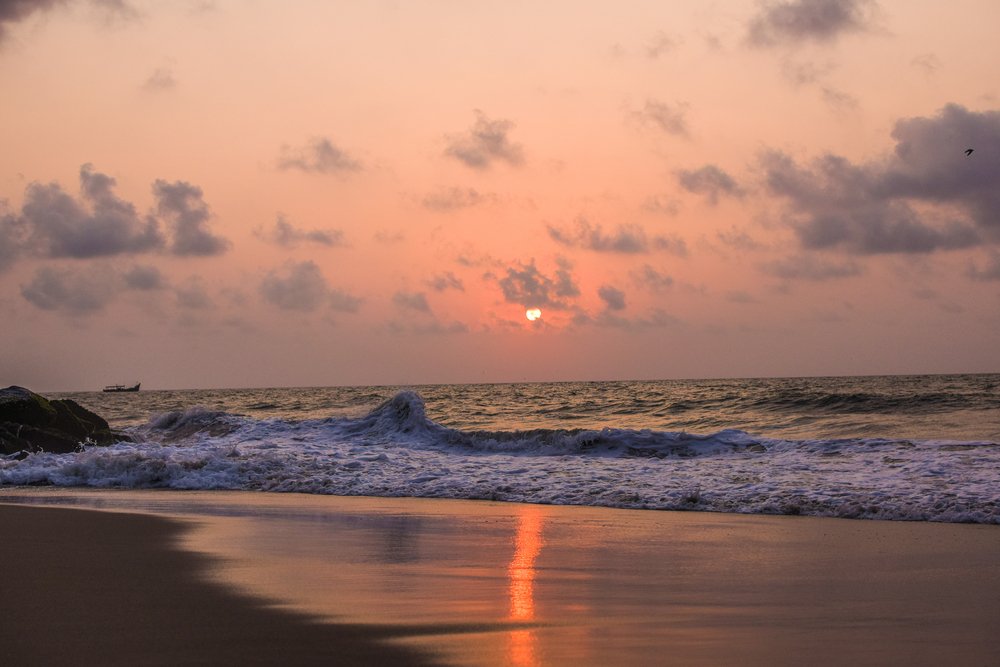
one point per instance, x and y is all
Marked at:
(99, 588)
(400, 581)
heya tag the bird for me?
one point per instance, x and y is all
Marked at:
(968, 151)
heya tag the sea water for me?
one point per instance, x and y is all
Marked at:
(898, 447)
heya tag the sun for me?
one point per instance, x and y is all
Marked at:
(533, 314)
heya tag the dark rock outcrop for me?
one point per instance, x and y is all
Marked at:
(32, 423)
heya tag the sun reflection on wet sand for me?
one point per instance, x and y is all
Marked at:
(522, 649)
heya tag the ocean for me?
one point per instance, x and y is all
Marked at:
(924, 448)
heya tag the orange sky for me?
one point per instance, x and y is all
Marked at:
(213, 194)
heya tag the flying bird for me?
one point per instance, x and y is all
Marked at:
(968, 151)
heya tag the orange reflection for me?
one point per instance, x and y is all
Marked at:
(521, 573)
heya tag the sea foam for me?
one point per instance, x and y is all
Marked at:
(396, 450)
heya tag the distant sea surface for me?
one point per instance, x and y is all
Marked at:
(896, 447)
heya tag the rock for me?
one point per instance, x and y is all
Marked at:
(32, 423)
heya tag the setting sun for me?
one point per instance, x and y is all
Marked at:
(533, 314)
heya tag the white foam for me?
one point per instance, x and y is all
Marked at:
(396, 451)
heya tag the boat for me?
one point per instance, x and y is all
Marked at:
(122, 387)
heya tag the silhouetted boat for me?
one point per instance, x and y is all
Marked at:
(121, 387)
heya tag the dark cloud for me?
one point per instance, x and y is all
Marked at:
(187, 213)
(412, 301)
(144, 278)
(319, 156)
(881, 206)
(286, 235)
(795, 21)
(15, 11)
(52, 223)
(486, 142)
(813, 269)
(454, 198)
(626, 239)
(161, 79)
(299, 287)
(613, 298)
(73, 292)
(652, 279)
(526, 285)
(668, 118)
(445, 281)
(710, 181)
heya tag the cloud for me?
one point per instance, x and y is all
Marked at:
(796, 21)
(182, 205)
(486, 142)
(738, 239)
(626, 239)
(613, 298)
(73, 292)
(812, 269)
(657, 318)
(652, 279)
(428, 328)
(412, 301)
(660, 44)
(192, 296)
(15, 11)
(344, 302)
(160, 80)
(454, 198)
(300, 287)
(710, 181)
(54, 224)
(989, 272)
(661, 205)
(11, 233)
(445, 281)
(671, 119)
(286, 235)
(739, 296)
(526, 285)
(144, 278)
(319, 156)
(928, 63)
(907, 201)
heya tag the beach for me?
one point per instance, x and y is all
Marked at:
(238, 578)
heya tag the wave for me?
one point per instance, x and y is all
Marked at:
(396, 450)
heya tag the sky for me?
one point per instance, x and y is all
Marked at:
(250, 193)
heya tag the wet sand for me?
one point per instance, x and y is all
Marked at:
(484, 584)
(99, 588)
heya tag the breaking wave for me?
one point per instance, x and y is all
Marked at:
(396, 450)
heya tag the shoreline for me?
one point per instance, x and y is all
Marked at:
(481, 583)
